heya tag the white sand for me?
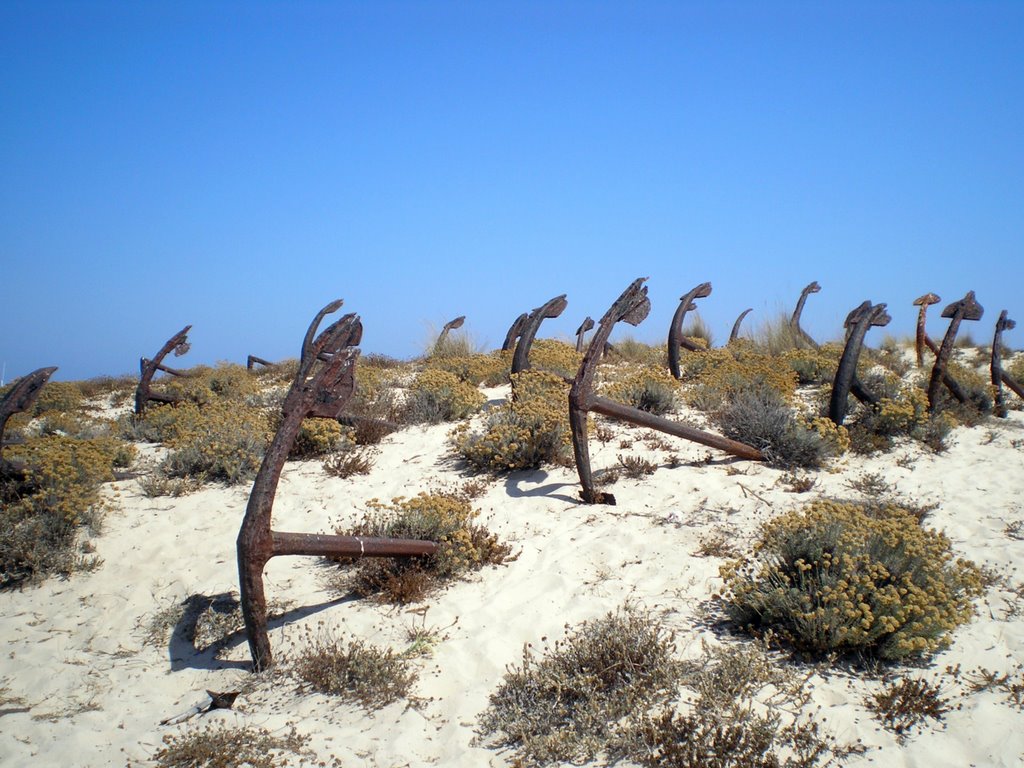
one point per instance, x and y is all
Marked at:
(83, 688)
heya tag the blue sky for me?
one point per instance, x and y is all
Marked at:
(238, 165)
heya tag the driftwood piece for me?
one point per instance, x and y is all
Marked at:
(581, 332)
(148, 368)
(794, 321)
(921, 339)
(966, 308)
(858, 322)
(735, 334)
(449, 326)
(631, 307)
(999, 376)
(676, 339)
(21, 396)
(323, 384)
(552, 308)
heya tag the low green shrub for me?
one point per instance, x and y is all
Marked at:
(222, 441)
(650, 388)
(761, 418)
(843, 577)
(715, 376)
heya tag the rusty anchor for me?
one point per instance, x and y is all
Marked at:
(252, 361)
(585, 326)
(631, 307)
(21, 396)
(999, 376)
(794, 321)
(148, 368)
(514, 331)
(858, 322)
(676, 339)
(735, 334)
(449, 326)
(552, 308)
(323, 384)
(921, 339)
(964, 309)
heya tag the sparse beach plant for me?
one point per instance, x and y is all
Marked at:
(845, 577)
(350, 461)
(222, 745)
(906, 703)
(566, 704)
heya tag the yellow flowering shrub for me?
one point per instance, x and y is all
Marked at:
(435, 396)
(530, 430)
(839, 576)
(224, 441)
(836, 437)
(448, 520)
(555, 357)
(814, 366)
(317, 437)
(204, 384)
(41, 513)
(490, 370)
(715, 376)
(64, 396)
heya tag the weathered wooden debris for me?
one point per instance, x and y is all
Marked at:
(551, 308)
(20, 398)
(581, 332)
(794, 321)
(736, 326)
(631, 307)
(964, 309)
(1000, 376)
(514, 331)
(252, 361)
(676, 339)
(449, 326)
(921, 339)
(857, 324)
(323, 384)
(148, 368)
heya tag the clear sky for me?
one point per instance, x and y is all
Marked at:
(237, 165)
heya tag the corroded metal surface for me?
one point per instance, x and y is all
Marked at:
(999, 376)
(921, 339)
(148, 368)
(631, 307)
(252, 361)
(964, 309)
(552, 308)
(322, 386)
(736, 326)
(581, 332)
(794, 321)
(676, 339)
(514, 331)
(21, 396)
(857, 324)
(449, 326)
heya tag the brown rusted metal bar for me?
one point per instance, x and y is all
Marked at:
(676, 339)
(631, 307)
(323, 384)
(585, 326)
(19, 398)
(736, 326)
(964, 309)
(449, 326)
(514, 331)
(252, 361)
(794, 321)
(552, 308)
(921, 339)
(857, 324)
(999, 376)
(148, 368)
